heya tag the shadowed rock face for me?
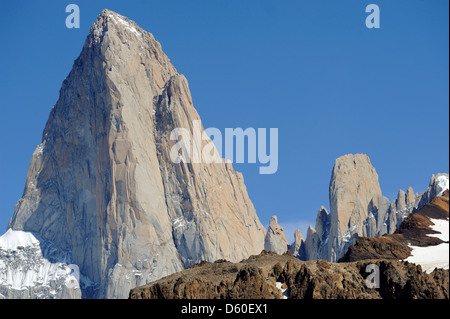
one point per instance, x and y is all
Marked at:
(256, 277)
(414, 230)
(102, 185)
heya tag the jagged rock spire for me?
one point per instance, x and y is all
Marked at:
(275, 238)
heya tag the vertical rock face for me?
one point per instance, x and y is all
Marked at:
(410, 197)
(275, 238)
(102, 185)
(354, 191)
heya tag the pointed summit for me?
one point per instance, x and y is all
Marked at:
(275, 238)
(102, 186)
(353, 187)
(297, 248)
(110, 20)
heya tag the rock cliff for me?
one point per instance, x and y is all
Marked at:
(103, 187)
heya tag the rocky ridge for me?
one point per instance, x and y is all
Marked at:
(257, 277)
(319, 279)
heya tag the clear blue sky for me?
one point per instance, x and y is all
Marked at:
(310, 68)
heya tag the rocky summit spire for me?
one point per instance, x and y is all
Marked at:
(353, 187)
(297, 248)
(275, 238)
(102, 185)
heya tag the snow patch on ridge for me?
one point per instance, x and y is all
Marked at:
(442, 227)
(118, 19)
(432, 257)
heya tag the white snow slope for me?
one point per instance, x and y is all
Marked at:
(31, 268)
(432, 257)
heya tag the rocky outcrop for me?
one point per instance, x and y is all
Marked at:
(397, 280)
(415, 230)
(103, 186)
(244, 283)
(358, 208)
(275, 238)
(316, 279)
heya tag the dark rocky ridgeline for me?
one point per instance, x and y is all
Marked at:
(257, 276)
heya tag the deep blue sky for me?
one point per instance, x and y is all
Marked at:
(310, 68)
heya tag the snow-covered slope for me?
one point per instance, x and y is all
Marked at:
(32, 268)
(431, 257)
